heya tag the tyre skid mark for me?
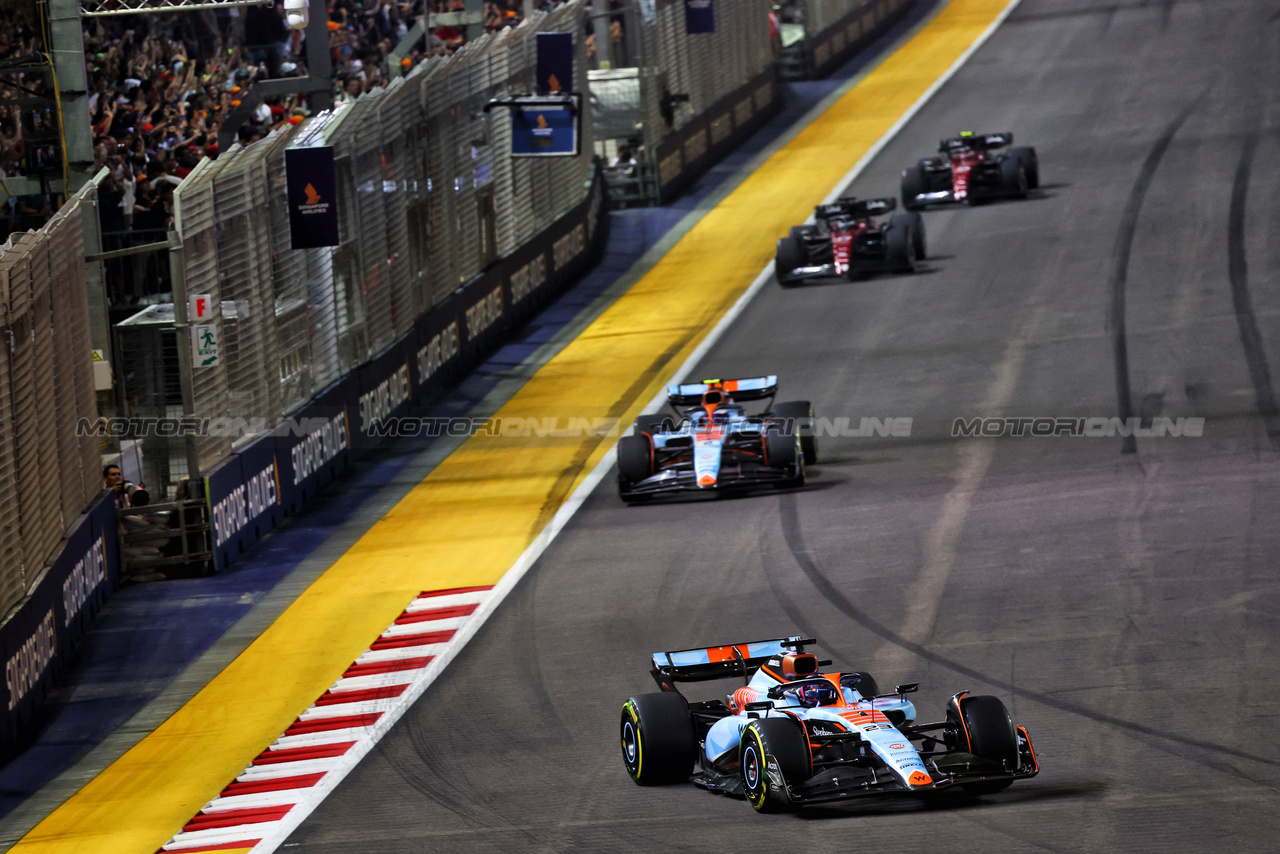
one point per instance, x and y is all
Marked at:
(1238, 272)
(1120, 269)
(789, 517)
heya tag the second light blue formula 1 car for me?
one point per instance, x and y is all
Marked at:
(794, 735)
(712, 443)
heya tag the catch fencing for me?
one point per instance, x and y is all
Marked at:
(429, 197)
(819, 35)
(52, 471)
(664, 90)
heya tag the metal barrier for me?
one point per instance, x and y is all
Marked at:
(169, 539)
(51, 464)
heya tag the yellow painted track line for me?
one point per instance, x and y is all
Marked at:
(469, 520)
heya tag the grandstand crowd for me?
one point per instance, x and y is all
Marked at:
(160, 84)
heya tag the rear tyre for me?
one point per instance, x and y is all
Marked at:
(658, 744)
(914, 183)
(801, 413)
(782, 451)
(1013, 177)
(899, 243)
(1030, 164)
(790, 255)
(784, 741)
(986, 730)
(635, 462)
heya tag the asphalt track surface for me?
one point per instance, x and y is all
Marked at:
(1122, 603)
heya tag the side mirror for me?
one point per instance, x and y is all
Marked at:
(908, 688)
(758, 706)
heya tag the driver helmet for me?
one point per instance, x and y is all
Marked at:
(817, 694)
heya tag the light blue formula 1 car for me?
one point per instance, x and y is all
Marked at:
(712, 443)
(793, 735)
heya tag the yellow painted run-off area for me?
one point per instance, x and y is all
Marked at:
(470, 520)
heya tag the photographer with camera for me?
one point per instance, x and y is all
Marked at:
(127, 494)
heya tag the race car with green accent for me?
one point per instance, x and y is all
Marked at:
(973, 168)
(708, 442)
(793, 735)
(850, 238)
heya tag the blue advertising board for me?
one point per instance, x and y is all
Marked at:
(313, 446)
(38, 638)
(545, 127)
(313, 197)
(384, 387)
(699, 17)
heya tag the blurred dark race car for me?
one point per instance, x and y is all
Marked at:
(713, 444)
(792, 734)
(851, 237)
(973, 168)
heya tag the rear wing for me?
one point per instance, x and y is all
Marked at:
(855, 208)
(755, 388)
(976, 141)
(716, 662)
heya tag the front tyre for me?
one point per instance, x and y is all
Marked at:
(635, 461)
(782, 451)
(774, 754)
(899, 243)
(790, 255)
(1013, 177)
(658, 744)
(1030, 164)
(914, 184)
(917, 236)
(801, 414)
(984, 728)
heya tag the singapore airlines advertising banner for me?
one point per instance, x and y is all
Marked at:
(313, 197)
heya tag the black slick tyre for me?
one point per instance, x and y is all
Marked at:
(635, 461)
(914, 183)
(1030, 164)
(800, 412)
(986, 730)
(790, 255)
(1013, 178)
(774, 754)
(899, 245)
(917, 235)
(658, 744)
(782, 451)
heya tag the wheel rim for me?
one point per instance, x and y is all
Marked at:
(751, 768)
(630, 747)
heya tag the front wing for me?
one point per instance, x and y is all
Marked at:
(683, 479)
(950, 772)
